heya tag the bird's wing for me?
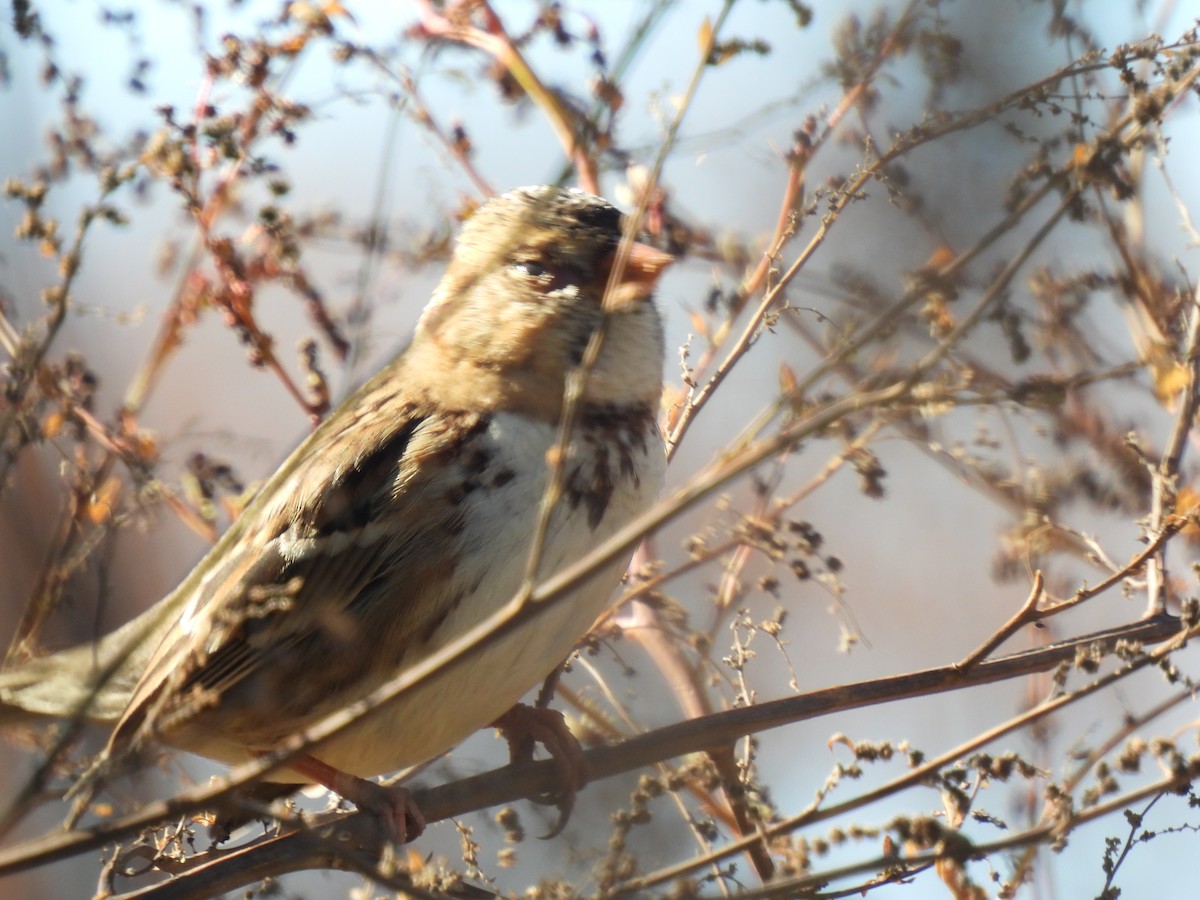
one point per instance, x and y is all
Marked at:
(335, 563)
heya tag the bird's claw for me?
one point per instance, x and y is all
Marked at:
(522, 727)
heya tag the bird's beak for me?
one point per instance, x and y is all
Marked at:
(637, 277)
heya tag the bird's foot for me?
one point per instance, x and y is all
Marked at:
(393, 807)
(522, 727)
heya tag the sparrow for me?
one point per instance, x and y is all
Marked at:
(405, 519)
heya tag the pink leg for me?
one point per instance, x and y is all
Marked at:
(393, 807)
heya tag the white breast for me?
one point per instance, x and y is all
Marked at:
(493, 550)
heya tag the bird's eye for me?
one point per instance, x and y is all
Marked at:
(527, 268)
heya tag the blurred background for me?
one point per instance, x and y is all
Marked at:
(929, 531)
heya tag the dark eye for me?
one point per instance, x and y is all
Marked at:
(527, 268)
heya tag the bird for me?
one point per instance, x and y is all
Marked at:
(407, 518)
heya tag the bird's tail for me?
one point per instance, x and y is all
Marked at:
(63, 685)
(93, 681)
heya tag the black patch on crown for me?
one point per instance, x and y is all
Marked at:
(572, 211)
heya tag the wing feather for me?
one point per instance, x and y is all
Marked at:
(301, 574)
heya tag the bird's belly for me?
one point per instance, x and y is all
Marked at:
(470, 693)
